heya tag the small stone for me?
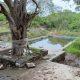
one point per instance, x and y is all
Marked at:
(30, 51)
(78, 73)
(70, 57)
(55, 77)
(45, 58)
(10, 51)
(44, 52)
(20, 63)
(45, 79)
(47, 72)
(30, 65)
(1, 67)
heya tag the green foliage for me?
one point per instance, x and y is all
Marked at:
(2, 17)
(39, 21)
(74, 48)
(59, 40)
(63, 20)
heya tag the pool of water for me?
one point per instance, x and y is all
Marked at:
(51, 43)
(46, 44)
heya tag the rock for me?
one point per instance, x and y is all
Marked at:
(44, 52)
(1, 67)
(77, 62)
(70, 57)
(10, 52)
(45, 58)
(30, 65)
(78, 73)
(20, 63)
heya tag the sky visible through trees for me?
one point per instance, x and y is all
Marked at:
(60, 5)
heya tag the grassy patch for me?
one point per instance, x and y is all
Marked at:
(65, 32)
(59, 40)
(74, 48)
(4, 27)
(37, 32)
(36, 51)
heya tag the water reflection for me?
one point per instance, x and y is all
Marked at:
(51, 44)
(45, 43)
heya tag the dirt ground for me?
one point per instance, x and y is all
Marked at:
(48, 70)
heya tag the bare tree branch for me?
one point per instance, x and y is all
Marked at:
(9, 3)
(36, 12)
(23, 4)
(36, 3)
(37, 7)
(5, 12)
(16, 2)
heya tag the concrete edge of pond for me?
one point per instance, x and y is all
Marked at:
(69, 43)
(62, 53)
(58, 57)
(42, 37)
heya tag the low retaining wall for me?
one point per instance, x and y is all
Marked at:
(61, 55)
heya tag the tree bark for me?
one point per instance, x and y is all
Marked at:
(19, 40)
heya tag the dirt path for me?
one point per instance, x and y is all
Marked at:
(47, 70)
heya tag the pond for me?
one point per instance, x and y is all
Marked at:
(52, 43)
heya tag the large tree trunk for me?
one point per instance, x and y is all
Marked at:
(19, 41)
(18, 19)
(19, 47)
